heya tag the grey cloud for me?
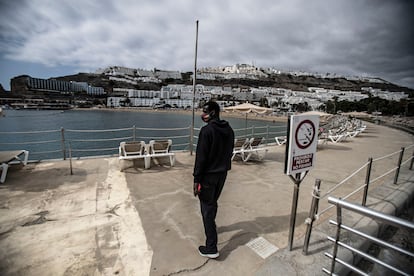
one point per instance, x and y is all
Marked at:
(349, 37)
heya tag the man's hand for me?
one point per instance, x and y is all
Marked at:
(197, 189)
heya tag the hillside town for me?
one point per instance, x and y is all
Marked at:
(230, 85)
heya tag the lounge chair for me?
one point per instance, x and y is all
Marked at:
(254, 148)
(337, 138)
(133, 150)
(239, 146)
(8, 158)
(281, 140)
(161, 148)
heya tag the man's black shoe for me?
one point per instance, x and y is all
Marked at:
(207, 253)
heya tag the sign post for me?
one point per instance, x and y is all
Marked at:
(300, 156)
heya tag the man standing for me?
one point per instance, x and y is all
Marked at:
(213, 160)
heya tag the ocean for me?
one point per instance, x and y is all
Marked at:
(50, 134)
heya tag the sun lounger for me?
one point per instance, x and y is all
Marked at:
(161, 148)
(281, 140)
(133, 150)
(239, 146)
(8, 158)
(337, 138)
(254, 148)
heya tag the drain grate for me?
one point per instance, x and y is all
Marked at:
(262, 247)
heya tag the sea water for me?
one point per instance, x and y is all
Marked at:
(49, 134)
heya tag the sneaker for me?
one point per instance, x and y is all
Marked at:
(207, 253)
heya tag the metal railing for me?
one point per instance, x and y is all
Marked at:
(267, 132)
(367, 212)
(315, 213)
(55, 144)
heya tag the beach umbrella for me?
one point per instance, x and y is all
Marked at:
(247, 108)
(357, 114)
(324, 117)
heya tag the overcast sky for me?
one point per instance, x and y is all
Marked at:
(50, 38)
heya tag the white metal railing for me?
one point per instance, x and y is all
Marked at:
(54, 144)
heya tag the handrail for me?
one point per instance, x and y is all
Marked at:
(51, 142)
(29, 132)
(315, 213)
(365, 185)
(395, 221)
(367, 212)
(99, 130)
(344, 180)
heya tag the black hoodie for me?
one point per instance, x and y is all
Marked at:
(214, 149)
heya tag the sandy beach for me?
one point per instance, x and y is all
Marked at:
(197, 112)
(406, 122)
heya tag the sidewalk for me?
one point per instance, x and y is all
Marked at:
(100, 221)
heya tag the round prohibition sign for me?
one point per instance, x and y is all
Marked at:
(305, 134)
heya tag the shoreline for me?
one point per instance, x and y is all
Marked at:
(223, 114)
(405, 124)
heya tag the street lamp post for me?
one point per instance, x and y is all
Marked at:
(194, 90)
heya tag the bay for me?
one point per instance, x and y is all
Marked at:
(49, 134)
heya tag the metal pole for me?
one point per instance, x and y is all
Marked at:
(297, 181)
(194, 90)
(367, 212)
(134, 134)
(267, 134)
(338, 234)
(62, 131)
(70, 159)
(397, 172)
(367, 179)
(245, 126)
(312, 213)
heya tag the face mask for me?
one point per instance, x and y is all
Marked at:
(205, 117)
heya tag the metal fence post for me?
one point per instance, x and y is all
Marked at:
(367, 179)
(62, 132)
(338, 234)
(397, 172)
(267, 134)
(312, 213)
(70, 158)
(190, 143)
(412, 161)
(134, 133)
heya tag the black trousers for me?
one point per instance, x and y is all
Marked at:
(211, 187)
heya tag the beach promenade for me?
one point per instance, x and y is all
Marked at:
(101, 221)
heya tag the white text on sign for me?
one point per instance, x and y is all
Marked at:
(302, 161)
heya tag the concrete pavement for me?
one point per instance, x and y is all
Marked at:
(100, 221)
